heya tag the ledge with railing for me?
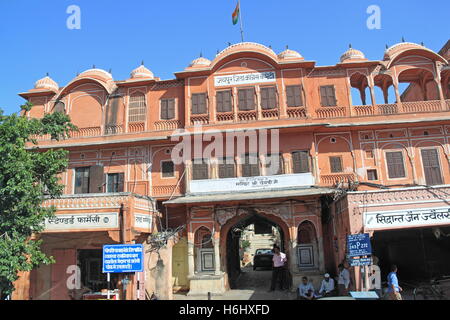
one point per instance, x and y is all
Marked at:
(330, 180)
(320, 113)
(167, 125)
(166, 191)
(401, 108)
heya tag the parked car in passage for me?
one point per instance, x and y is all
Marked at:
(262, 258)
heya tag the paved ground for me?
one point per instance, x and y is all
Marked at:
(253, 285)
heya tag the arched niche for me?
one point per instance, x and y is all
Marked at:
(204, 251)
(307, 246)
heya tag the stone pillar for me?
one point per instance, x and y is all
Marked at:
(191, 263)
(397, 93)
(386, 94)
(362, 92)
(188, 175)
(258, 104)
(293, 254)
(321, 254)
(372, 90)
(217, 254)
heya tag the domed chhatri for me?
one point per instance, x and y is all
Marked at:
(289, 54)
(97, 74)
(141, 72)
(200, 63)
(400, 47)
(46, 83)
(352, 55)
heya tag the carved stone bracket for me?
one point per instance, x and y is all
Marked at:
(223, 215)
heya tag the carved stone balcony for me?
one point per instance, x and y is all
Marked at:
(403, 108)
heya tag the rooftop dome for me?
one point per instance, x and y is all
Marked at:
(141, 72)
(352, 55)
(402, 46)
(200, 62)
(289, 54)
(97, 74)
(246, 46)
(46, 83)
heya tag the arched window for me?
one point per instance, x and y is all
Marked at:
(137, 108)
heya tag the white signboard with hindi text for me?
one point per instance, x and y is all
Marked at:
(406, 218)
(143, 221)
(89, 221)
(246, 78)
(252, 183)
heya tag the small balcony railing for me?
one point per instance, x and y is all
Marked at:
(199, 119)
(331, 112)
(330, 180)
(270, 114)
(167, 125)
(134, 127)
(166, 191)
(296, 113)
(248, 115)
(225, 117)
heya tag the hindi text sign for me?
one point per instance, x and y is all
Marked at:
(123, 258)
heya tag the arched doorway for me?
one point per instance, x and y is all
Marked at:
(241, 275)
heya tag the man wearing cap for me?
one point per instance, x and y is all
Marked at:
(327, 287)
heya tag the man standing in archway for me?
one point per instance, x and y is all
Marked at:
(279, 267)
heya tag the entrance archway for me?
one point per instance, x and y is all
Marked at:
(231, 255)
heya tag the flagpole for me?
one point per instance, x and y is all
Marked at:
(240, 18)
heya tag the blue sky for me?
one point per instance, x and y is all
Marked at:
(168, 34)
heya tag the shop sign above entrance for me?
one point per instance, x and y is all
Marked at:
(252, 183)
(406, 218)
(89, 221)
(247, 78)
(123, 258)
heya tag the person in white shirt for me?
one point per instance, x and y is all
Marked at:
(306, 290)
(279, 265)
(343, 281)
(327, 287)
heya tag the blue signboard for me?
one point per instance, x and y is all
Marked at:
(123, 258)
(359, 262)
(359, 245)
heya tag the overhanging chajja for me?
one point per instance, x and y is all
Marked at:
(254, 195)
